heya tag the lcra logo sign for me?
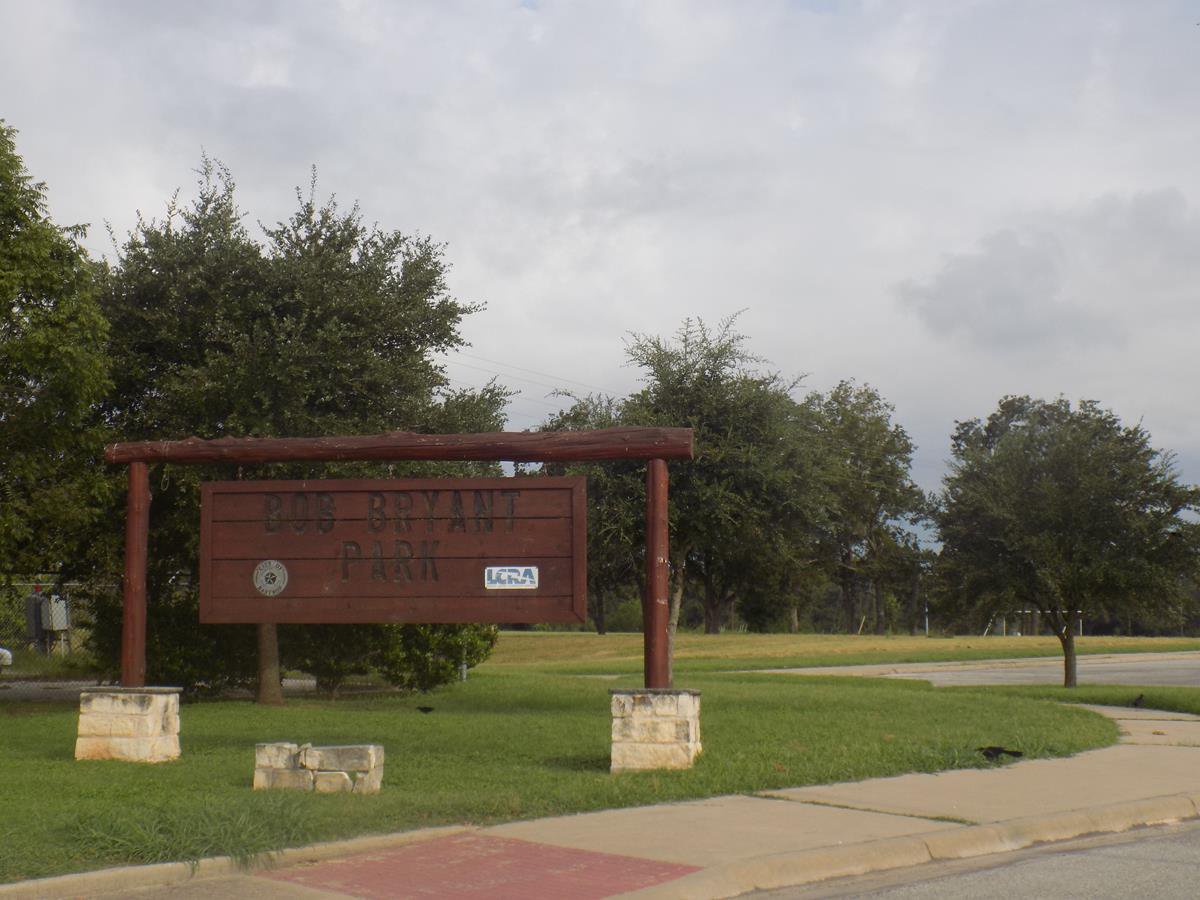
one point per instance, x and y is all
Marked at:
(510, 578)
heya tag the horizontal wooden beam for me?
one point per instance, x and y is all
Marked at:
(538, 446)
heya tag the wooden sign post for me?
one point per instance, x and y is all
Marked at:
(359, 574)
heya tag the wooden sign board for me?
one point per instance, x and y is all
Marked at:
(504, 550)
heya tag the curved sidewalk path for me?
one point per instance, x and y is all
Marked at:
(725, 846)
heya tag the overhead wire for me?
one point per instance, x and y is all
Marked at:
(558, 378)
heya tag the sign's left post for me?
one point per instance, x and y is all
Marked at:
(137, 531)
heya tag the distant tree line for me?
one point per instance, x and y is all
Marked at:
(798, 513)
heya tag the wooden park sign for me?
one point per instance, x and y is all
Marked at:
(504, 550)
(390, 551)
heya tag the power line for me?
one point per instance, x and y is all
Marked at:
(557, 378)
(521, 395)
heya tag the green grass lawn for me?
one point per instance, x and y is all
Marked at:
(584, 652)
(510, 743)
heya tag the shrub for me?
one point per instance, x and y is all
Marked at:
(421, 657)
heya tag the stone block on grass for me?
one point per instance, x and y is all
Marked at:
(368, 782)
(285, 779)
(356, 768)
(346, 758)
(275, 755)
(129, 724)
(332, 782)
(655, 729)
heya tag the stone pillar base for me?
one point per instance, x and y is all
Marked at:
(654, 728)
(131, 724)
(352, 768)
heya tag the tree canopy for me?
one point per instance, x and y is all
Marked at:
(326, 327)
(775, 478)
(871, 498)
(1065, 510)
(53, 370)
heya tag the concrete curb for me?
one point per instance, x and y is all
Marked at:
(729, 880)
(782, 870)
(127, 878)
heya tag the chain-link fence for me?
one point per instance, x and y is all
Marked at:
(42, 630)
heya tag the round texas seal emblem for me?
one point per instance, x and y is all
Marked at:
(270, 577)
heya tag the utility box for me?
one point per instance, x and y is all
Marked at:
(33, 619)
(55, 616)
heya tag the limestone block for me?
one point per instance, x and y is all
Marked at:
(631, 756)
(688, 705)
(655, 702)
(655, 731)
(348, 758)
(116, 725)
(129, 713)
(130, 701)
(276, 755)
(119, 702)
(368, 782)
(170, 720)
(331, 782)
(622, 704)
(289, 779)
(130, 749)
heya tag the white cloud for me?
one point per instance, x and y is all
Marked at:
(1026, 169)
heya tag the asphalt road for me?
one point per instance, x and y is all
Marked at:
(1159, 862)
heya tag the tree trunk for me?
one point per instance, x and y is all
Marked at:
(601, 615)
(794, 620)
(712, 606)
(849, 598)
(270, 681)
(712, 600)
(880, 605)
(914, 605)
(1066, 637)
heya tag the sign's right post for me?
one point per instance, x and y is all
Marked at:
(656, 727)
(657, 604)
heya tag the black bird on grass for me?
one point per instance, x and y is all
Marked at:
(994, 753)
(1139, 700)
(425, 709)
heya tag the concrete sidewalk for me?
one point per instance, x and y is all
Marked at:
(726, 846)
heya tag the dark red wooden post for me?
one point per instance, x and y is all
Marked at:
(656, 605)
(133, 625)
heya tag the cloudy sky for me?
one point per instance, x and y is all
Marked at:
(951, 201)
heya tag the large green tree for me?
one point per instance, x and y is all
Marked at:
(1065, 510)
(747, 504)
(327, 327)
(871, 498)
(53, 369)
